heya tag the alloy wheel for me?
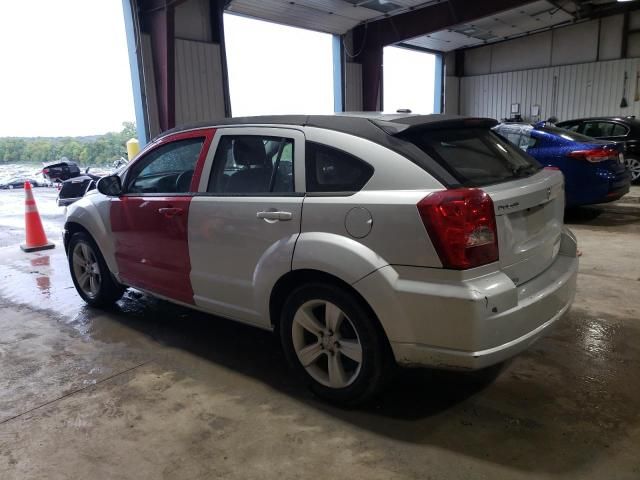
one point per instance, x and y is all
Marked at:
(633, 165)
(327, 343)
(86, 269)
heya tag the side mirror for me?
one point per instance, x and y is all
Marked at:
(110, 186)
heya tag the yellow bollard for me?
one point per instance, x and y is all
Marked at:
(133, 147)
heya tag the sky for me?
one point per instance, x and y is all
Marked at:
(276, 69)
(64, 68)
(408, 80)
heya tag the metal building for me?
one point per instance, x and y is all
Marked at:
(564, 58)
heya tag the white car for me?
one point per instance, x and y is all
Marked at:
(364, 241)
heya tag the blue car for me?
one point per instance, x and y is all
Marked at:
(594, 170)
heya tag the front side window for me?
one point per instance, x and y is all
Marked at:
(331, 170)
(598, 129)
(246, 164)
(167, 169)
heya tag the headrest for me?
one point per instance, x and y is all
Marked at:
(249, 151)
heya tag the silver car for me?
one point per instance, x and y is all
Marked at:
(364, 241)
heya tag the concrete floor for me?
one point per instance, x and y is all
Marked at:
(154, 391)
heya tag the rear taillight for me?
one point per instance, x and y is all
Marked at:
(462, 226)
(594, 155)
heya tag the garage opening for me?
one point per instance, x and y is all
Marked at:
(409, 80)
(275, 69)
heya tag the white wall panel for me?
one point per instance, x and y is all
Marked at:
(451, 94)
(353, 87)
(610, 37)
(199, 91)
(520, 53)
(193, 20)
(150, 92)
(575, 44)
(583, 90)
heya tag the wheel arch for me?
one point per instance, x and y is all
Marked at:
(94, 219)
(296, 278)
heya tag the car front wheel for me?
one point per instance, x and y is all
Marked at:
(90, 273)
(333, 342)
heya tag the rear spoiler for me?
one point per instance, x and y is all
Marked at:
(409, 125)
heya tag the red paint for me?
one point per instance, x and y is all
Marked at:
(152, 248)
(151, 233)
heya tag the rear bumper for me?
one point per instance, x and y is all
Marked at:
(600, 185)
(474, 323)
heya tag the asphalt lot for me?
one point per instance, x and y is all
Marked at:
(152, 390)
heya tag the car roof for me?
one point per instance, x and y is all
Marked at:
(370, 125)
(632, 119)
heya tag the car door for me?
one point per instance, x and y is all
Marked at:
(149, 220)
(245, 220)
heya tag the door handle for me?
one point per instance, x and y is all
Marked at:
(170, 212)
(270, 215)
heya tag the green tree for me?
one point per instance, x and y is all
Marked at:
(88, 151)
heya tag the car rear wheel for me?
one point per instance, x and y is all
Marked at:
(90, 274)
(333, 342)
(633, 164)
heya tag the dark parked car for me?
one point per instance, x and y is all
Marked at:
(61, 170)
(18, 182)
(620, 129)
(74, 189)
(593, 169)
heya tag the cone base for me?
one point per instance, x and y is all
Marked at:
(46, 246)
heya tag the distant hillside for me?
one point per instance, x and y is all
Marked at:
(85, 150)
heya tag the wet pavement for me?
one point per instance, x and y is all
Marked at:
(153, 390)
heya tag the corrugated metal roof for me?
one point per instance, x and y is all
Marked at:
(518, 21)
(331, 16)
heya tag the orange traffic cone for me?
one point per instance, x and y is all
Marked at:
(36, 238)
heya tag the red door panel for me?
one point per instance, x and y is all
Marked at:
(150, 230)
(152, 244)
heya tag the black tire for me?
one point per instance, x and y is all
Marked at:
(377, 362)
(109, 290)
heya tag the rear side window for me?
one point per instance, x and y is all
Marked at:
(567, 135)
(331, 170)
(252, 164)
(475, 157)
(619, 130)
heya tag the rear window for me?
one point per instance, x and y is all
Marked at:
(332, 170)
(567, 134)
(474, 156)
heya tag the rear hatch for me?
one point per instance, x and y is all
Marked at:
(528, 200)
(529, 217)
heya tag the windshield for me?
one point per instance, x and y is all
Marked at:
(567, 134)
(474, 156)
